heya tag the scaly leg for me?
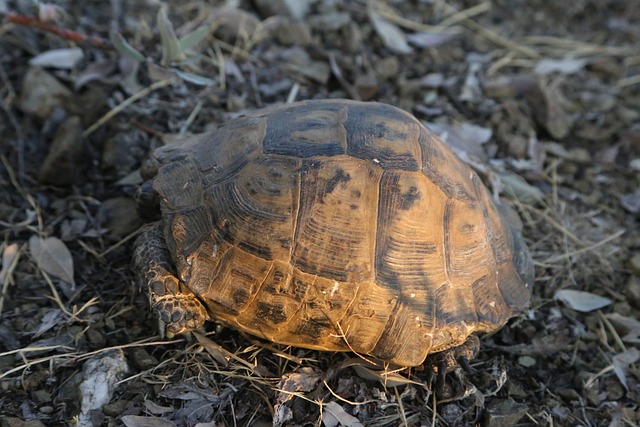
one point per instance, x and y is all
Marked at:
(176, 306)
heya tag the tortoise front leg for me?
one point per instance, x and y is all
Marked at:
(176, 306)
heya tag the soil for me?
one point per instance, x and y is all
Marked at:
(541, 98)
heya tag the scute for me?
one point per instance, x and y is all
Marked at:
(385, 135)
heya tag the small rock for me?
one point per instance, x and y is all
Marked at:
(631, 202)
(518, 146)
(300, 63)
(632, 291)
(526, 361)
(634, 263)
(580, 155)
(100, 375)
(507, 86)
(122, 152)
(293, 33)
(143, 360)
(387, 67)
(41, 93)
(546, 103)
(115, 408)
(41, 396)
(120, 216)
(297, 9)
(450, 413)
(504, 412)
(96, 338)
(367, 86)
(330, 21)
(231, 24)
(61, 165)
(17, 422)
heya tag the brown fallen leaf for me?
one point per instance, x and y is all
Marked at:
(547, 105)
(53, 257)
(392, 37)
(621, 364)
(334, 415)
(304, 380)
(140, 421)
(628, 327)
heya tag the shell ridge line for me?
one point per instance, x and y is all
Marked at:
(297, 208)
(446, 234)
(386, 325)
(259, 288)
(490, 231)
(339, 331)
(375, 230)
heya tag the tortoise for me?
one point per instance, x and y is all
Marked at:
(329, 224)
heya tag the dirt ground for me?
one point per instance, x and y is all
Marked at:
(542, 99)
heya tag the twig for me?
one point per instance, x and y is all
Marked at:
(74, 36)
(124, 104)
(588, 248)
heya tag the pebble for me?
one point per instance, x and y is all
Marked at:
(119, 215)
(504, 412)
(115, 408)
(142, 360)
(634, 263)
(17, 422)
(42, 93)
(61, 165)
(632, 291)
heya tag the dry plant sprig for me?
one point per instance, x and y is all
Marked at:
(124, 104)
(73, 356)
(73, 36)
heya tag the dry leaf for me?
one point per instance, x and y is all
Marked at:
(155, 409)
(58, 58)
(334, 415)
(304, 380)
(463, 137)
(628, 327)
(429, 39)
(631, 202)
(53, 257)
(214, 349)
(516, 185)
(548, 108)
(51, 319)
(621, 363)
(370, 371)
(581, 301)
(391, 35)
(563, 66)
(139, 421)
(9, 260)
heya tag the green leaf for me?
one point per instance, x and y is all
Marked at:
(193, 38)
(124, 48)
(168, 38)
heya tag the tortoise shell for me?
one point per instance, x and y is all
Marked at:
(339, 225)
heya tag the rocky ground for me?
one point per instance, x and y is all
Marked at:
(541, 98)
